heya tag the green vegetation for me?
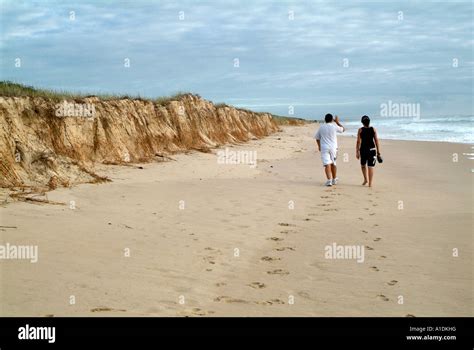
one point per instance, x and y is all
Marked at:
(225, 105)
(221, 105)
(176, 97)
(11, 89)
(281, 120)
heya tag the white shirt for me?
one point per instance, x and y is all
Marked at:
(326, 134)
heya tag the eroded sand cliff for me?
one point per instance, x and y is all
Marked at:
(38, 148)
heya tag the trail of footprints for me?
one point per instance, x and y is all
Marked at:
(393, 282)
(273, 259)
(272, 271)
(210, 258)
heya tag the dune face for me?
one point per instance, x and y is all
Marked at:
(44, 144)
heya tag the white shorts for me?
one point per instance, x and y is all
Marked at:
(328, 156)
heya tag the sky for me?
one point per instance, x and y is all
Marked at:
(297, 58)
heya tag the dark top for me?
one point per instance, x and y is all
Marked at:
(367, 138)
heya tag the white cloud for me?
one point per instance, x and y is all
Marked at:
(277, 55)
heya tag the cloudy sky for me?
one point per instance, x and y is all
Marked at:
(337, 56)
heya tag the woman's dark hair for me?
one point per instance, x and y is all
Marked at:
(365, 120)
(328, 118)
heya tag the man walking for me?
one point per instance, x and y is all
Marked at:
(327, 144)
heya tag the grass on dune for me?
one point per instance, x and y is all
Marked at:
(281, 120)
(11, 89)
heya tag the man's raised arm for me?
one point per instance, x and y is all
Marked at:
(336, 120)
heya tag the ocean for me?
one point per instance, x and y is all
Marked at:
(457, 129)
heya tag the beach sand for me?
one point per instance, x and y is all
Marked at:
(192, 237)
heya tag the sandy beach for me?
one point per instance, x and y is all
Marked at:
(192, 237)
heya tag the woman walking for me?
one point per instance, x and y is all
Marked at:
(367, 150)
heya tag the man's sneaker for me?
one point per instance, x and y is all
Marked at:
(328, 183)
(334, 181)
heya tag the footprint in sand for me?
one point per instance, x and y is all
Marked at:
(364, 231)
(372, 214)
(220, 284)
(331, 209)
(361, 219)
(409, 315)
(304, 294)
(270, 302)
(209, 259)
(282, 249)
(375, 225)
(366, 208)
(195, 311)
(285, 231)
(257, 285)
(276, 239)
(269, 258)
(243, 226)
(324, 197)
(227, 299)
(323, 205)
(374, 268)
(374, 205)
(278, 272)
(383, 297)
(377, 239)
(369, 248)
(383, 256)
(392, 282)
(105, 309)
(284, 224)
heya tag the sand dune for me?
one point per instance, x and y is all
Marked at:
(38, 148)
(209, 239)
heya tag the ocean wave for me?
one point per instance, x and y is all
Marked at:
(446, 129)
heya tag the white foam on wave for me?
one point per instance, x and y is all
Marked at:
(457, 129)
